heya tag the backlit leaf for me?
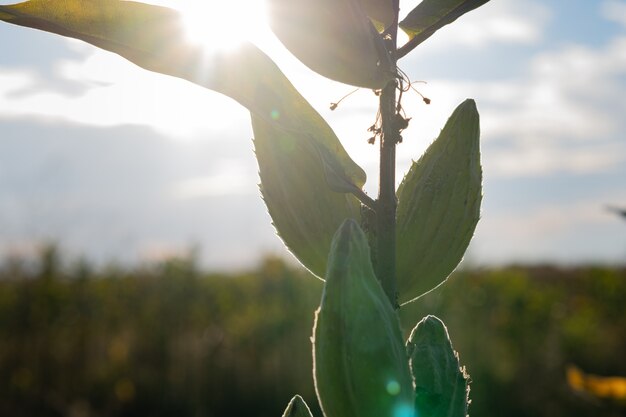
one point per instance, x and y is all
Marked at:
(441, 384)
(297, 408)
(334, 38)
(439, 205)
(431, 15)
(305, 211)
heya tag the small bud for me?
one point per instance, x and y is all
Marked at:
(441, 385)
(360, 363)
(426, 100)
(333, 106)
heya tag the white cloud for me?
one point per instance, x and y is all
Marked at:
(531, 159)
(549, 232)
(11, 82)
(552, 219)
(614, 10)
(566, 114)
(121, 93)
(231, 177)
(497, 22)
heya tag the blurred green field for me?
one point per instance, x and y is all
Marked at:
(172, 340)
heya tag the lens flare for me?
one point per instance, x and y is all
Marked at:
(404, 410)
(393, 388)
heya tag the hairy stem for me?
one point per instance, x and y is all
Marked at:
(386, 207)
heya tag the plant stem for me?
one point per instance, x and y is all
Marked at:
(387, 203)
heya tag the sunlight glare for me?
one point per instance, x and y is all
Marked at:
(218, 24)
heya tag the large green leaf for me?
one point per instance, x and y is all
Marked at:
(304, 210)
(439, 205)
(334, 38)
(150, 36)
(431, 15)
(296, 148)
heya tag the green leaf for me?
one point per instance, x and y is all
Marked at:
(305, 211)
(439, 205)
(360, 364)
(147, 35)
(335, 38)
(441, 385)
(299, 155)
(431, 15)
(297, 408)
(153, 38)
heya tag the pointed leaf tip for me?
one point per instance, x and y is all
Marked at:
(297, 407)
(468, 105)
(347, 232)
(349, 251)
(431, 329)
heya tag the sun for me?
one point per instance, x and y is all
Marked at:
(221, 24)
(226, 24)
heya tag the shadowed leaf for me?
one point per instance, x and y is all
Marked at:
(431, 15)
(335, 38)
(304, 210)
(439, 205)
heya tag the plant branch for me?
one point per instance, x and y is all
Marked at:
(412, 44)
(386, 204)
(365, 199)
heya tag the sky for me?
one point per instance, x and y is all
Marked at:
(117, 164)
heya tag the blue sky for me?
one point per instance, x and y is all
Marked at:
(116, 163)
